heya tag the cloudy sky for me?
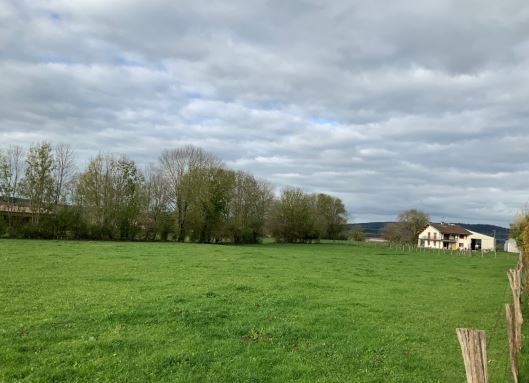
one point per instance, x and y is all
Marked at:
(388, 105)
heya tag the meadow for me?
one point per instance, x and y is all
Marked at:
(167, 312)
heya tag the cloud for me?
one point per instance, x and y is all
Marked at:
(388, 105)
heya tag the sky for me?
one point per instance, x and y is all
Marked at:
(387, 105)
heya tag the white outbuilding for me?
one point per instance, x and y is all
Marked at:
(510, 246)
(478, 241)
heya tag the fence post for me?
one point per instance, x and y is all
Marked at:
(513, 347)
(515, 281)
(474, 349)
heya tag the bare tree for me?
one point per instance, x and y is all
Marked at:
(406, 230)
(63, 173)
(176, 164)
(157, 208)
(11, 170)
(413, 221)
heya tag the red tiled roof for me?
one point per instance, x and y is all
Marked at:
(447, 228)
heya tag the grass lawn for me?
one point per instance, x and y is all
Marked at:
(166, 312)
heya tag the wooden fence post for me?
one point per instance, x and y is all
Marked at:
(513, 347)
(474, 348)
(515, 281)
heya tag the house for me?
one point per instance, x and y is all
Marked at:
(510, 246)
(454, 237)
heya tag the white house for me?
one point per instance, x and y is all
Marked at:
(510, 246)
(454, 237)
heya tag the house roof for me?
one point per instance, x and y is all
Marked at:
(448, 228)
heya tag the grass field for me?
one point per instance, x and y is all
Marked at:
(165, 312)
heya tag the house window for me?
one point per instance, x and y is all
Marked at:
(428, 235)
(428, 242)
(460, 245)
(434, 235)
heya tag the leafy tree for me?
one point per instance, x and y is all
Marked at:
(38, 185)
(331, 216)
(293, 218)
(111, 194)
(249, 204)
(520, 232)
(176, 164)
(209, 201)
(157, 220)
(94, 196)
(128, 183)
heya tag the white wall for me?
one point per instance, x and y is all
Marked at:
(487, 243)
(510, 246)
(431, 243)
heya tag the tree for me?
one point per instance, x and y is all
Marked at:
(393, 232)
(157, 219)
(176, 164)
(413, 221)
(11, 171)
(128, 184)
(331, 216)
(112, 196)
(357, 234)
(520, 232)
(64, 172)
(249, 205)
(208, 203)
(38, 186)
(407, 229)
(94, 196)
(293, 217)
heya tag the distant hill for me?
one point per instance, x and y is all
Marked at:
(372, 229)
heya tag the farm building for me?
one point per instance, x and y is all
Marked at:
(510, 246)
(20, 214)
(454, 237)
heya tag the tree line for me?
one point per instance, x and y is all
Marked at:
(187, 195)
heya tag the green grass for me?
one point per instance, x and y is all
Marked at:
(165, 312)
